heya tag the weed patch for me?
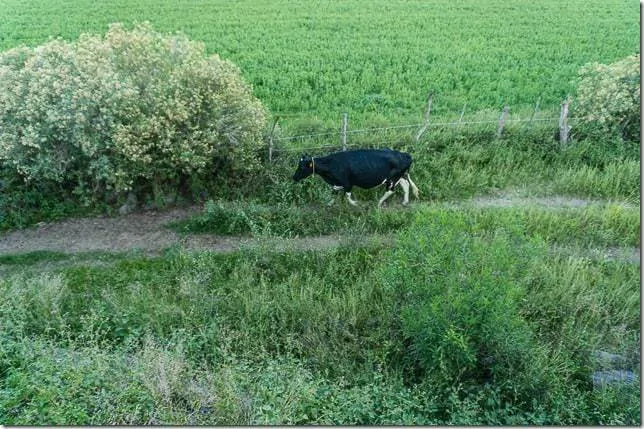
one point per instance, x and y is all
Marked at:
(465, 318)
(255, 219)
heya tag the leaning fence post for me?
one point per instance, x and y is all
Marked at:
(536, 109)
(502, 119)
(345, 121)
(426, 121)
(563, 123)
(270, 140)
(462, 113)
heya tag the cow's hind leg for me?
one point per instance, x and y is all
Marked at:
(414, 188)
(405, 185)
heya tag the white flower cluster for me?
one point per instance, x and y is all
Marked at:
(106, 112)
(609, 97)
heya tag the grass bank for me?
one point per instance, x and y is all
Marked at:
(467, 319)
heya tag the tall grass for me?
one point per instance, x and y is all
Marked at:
(475, 307)
(597, 224)
(463, 320)
(454, 164)
(615, 179)
(238, 218)
(446, 166)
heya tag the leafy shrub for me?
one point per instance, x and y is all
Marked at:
(129, 111)
(609, 97)
(460, 310)
(484, 320)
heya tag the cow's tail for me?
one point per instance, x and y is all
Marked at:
(414, 188)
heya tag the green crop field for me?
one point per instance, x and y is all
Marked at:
(370, 58)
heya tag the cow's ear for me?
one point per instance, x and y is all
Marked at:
(310, 165)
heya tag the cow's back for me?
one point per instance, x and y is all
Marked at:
(371, 167)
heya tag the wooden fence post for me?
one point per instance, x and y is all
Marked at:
(270, 140)
(563, 123)
(536, 109)
(502, 119)
(462, 113)
(345, 121)
(426, 121)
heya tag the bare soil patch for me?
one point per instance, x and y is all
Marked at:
(142, 231)
(147, 232)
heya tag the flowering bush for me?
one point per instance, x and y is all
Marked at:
(609, 97)
(133, 108)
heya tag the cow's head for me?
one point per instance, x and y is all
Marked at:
(304, 168)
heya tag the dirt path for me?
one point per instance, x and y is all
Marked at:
(143, 231)
(146, 231)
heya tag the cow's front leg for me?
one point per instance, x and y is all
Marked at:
(384, 198)
(390, 190)
(351, 200)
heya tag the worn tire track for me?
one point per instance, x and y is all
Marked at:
(146, 232)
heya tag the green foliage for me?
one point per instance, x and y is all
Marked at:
(49, 385)
(616, 179)
(377, 60)
(133, 110)
(31, 257)
(609, 98)
(591, 312)
(237, 218)
(596, 224)
(467, 317)
(22, 206)
(343, 336)
(460, 306)
(603, 225)
(485, 320)
(448, 165)
(453, 164)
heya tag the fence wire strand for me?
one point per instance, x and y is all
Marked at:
(396, 127)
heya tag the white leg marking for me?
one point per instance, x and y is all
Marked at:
(405, 185)
(413, 186)
(384, 198)
(351, 200)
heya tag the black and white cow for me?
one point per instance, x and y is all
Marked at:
(365, 168)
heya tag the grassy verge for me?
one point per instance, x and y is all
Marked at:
(467, 319)
(447, 166)
(41, 261)
(598, 224)
(249, 218)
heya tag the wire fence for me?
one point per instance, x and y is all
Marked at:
(384, 142)
(399, 127)
(410, 133)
